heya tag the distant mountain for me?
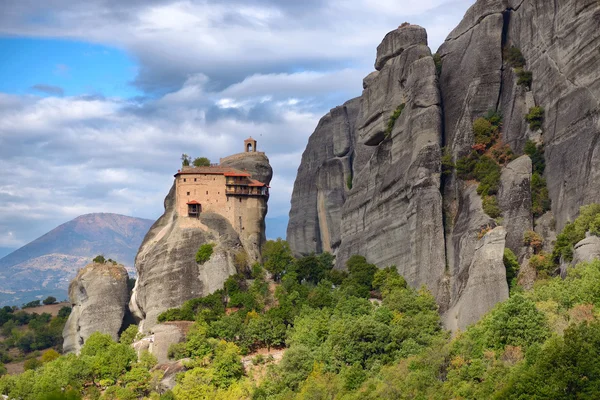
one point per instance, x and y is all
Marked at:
(45, 266)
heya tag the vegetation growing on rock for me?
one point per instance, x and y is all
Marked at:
(393, 119)
(535, 117)
(588, 221)
(204, 252)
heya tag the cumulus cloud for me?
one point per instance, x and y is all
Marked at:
(211, 72)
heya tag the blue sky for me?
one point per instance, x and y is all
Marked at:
(74, 67)
(100, 98)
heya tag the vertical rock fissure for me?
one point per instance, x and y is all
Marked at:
(506, 14)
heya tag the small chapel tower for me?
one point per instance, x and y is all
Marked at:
(250, 145)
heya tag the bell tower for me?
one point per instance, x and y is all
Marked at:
(250, 145)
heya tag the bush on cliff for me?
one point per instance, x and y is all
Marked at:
(204, 253)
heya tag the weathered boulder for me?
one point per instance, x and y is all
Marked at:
(486, 284)
(99, 296)
(514, 198)
(587, 250)
(161, 337)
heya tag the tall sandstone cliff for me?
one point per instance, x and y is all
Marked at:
(379, 191)
(168, 274)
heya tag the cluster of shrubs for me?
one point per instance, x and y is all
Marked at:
(204, 253)
(484, 162)
(535, 117)
(539, 188)
(25, 334)
(514, 58)
(588, 221)
(100, 259)
(196, 162)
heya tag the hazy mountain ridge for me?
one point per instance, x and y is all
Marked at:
(48, 263)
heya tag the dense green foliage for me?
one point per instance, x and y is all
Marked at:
(512, 267)
(393, 119)
(204, 253)
(525, 78)
(588, 221)
(366, 336)
(277, 256)
(535, 118)
(484, 163)
(24, 334)
(201, 162)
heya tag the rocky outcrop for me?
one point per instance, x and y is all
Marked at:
(514, 198)
(161, 337)
(168, 274)
(486, 283)
(253, 235)
(377, 188)
(99, 298)
(323, 181)
(587, 250)
(393, 213)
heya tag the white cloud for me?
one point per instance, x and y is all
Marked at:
(225, 70)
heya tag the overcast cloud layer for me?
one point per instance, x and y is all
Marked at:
(212, 73)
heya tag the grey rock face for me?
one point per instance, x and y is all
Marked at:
(392, 215)
(514, 198)
(321, 186)
(545, 226)
(99, 297)
(486, 285)
(168, 274)
(587, 250)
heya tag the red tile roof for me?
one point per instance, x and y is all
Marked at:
(209, 171)
(193, 202)
(237, 174)
(254, 182)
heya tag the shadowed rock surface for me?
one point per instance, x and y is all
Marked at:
(99, 297)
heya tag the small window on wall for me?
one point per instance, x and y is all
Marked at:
(188, 193)
(240, 199)
(184, 179)
(194, 179)
(207, 192)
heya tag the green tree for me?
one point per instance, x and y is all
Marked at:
(201, 162)
(99, 259)
(129, 335)
(277, 257)
(185, 160)
(49, 300)
(64, 312)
